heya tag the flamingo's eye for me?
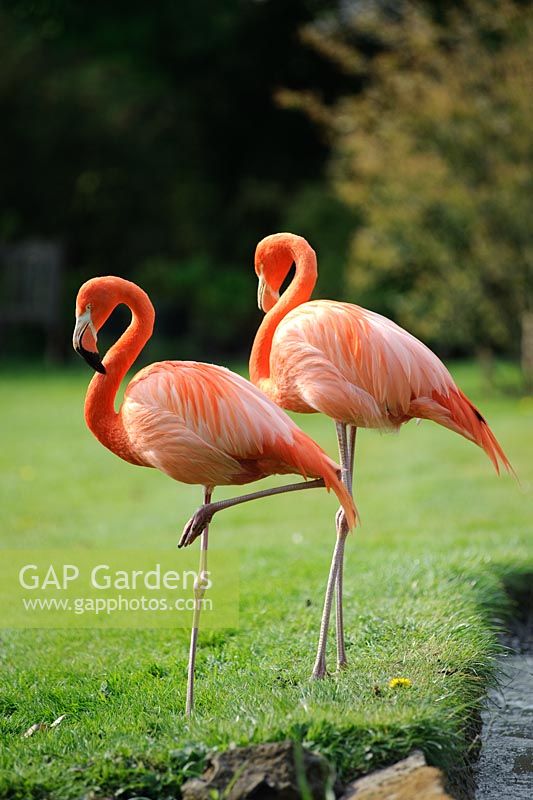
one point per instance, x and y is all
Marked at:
(88, 307)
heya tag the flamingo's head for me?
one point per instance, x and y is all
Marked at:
(95, 301)
(274, 256)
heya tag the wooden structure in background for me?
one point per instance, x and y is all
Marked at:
(30, 290)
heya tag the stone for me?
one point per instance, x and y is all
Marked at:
(262, 772)
(405, 780)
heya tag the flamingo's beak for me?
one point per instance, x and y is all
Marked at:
(84, 342)
(260, 292)
(266, 297)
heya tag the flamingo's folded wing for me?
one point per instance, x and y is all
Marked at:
(385, 366)
(197, 421)
(163, 441)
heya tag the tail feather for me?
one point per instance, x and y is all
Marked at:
(464, 418)
(312, 460)
(333, 481)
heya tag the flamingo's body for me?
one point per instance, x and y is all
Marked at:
(362, 369)
(198, 423)
(355, 366)
(203, 424)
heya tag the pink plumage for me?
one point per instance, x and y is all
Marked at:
(198, 423)
(354, 365)
(202, 424)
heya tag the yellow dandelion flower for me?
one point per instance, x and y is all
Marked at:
(395, 682)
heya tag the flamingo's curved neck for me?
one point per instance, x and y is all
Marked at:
(298, 292)
(100, 415)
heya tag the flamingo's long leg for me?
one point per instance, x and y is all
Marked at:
(351, 445)
(335, 571)
(199, 591)
(205, 513)
(319, 669)
(347, 455)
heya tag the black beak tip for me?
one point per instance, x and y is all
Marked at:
(93, 360)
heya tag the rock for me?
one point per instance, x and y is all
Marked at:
(405, 780)
(262, 772)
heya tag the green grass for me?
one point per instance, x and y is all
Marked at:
(424, 583)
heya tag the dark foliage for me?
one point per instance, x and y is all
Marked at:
(146, 138)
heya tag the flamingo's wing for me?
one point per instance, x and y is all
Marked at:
(356, 365)
(203, 424)
(345, 357)
(200, 423)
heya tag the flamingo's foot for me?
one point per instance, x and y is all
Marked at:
(341, 523)
(342, 664)
(319, 671)
(195, 526)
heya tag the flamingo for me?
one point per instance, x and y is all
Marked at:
(198, 423)
(355, 366)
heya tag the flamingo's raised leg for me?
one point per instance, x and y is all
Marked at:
(203, 516)
(347, 455)
(199, 590)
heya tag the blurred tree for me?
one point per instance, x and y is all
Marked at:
(433, 149)
(316, 213)
(146, 138)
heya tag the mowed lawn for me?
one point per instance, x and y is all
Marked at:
(425, 577)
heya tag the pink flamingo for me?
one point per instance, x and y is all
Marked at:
(198, 423)
(355, 366)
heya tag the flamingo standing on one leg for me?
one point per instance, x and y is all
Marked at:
(198, 423)
(355, 366)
